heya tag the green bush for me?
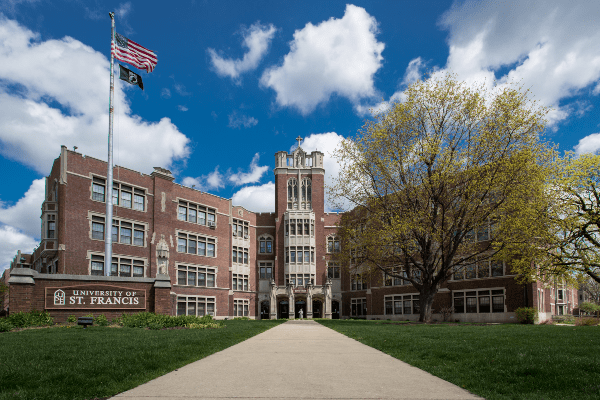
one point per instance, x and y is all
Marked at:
(147, 320)
(71, 319)
(242, 318)
(586, 322)
(32, 318)
(526, 315)
(5, 326)
(588, 307)
(101, 320)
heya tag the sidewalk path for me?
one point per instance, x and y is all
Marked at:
(298, 360)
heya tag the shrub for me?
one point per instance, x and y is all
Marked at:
(446, 313)
(101, 320)
(208, 325)
(146, 319)
(5, 326)
(586, 322)
(526, 315)
(71, 319)
(32, 318)
(241, 318)
(588, 307)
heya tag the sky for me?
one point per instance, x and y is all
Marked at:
(237, 81)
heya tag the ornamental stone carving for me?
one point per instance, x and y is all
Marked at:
(162, 256)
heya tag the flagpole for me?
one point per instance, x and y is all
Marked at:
(109, 174)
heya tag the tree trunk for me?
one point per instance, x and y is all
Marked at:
(426, 301)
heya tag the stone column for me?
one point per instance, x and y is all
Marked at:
(162, 294)
(327, 302)
(20, 291)
(309, 305)
(273, 300)
(292, 305)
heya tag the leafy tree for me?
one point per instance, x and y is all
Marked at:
(591, 288)
(567, 234)
(3, 291)
(428, 177)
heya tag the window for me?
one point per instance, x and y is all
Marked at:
(240, 255)
(196, 214)
(479, 301)
(359, 307)
(51, 226)
(292, 194)
(188, 275)
(333, 270)
(98, 189)
(402, 305)
(123, 232)
(480, 269)
(192, 244)
(198, 306)
(300, 227)
(240, 282)
(266, 270)
(394, 280)
(240, 308)
(561, 295)
(306, 194)
(120, 266)
(240, 229)
(123, 195)
(299, 279)
(265, 245)
(299, 255)
(97, 265)
(357, 283)
(333, 244)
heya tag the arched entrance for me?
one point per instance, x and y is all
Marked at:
(283, 309)
(317, 309)
(300, 305)
(265, 310)
(335, 309)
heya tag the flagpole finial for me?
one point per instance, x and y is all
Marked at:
(112, 15)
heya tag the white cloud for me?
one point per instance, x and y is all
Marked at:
(12, 240)
(326, 143)
(214, 180)
(165, 93)
(182, 108)
(25, 214)
(256, 39)
(338, 56)
(236, 121)
(62, 100)
(256, 198)
(123, 10)
(548, 46)
(589, 144)
(256, 172)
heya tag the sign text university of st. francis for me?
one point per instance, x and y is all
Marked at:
(95, 297)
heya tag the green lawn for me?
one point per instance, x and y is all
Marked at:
(494, 361)
(73, 363)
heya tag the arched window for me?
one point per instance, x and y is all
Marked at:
(292, 194)
(306, 194)
(333, 244)
(265, 244)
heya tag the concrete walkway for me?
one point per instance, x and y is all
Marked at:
(298, 360)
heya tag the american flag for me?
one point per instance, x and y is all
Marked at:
(132, 53)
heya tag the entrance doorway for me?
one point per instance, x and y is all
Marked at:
(283, 309)
(300, 305)
(317, 309)
(335, 310)
(265, 312)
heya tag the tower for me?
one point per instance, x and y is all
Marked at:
(300, 281)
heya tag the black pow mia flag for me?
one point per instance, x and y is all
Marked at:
(131, 77)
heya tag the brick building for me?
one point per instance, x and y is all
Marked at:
(197, 253)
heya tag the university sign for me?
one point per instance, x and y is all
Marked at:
(95, 297)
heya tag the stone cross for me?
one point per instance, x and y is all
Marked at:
(299, 139)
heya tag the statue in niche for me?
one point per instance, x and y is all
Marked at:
(162, 256)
